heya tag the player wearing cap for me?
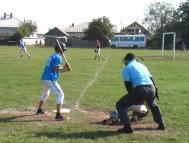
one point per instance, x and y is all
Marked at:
(140, 86)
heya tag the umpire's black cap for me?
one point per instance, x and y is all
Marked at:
(129, 57)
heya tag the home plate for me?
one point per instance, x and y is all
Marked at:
(63, 110)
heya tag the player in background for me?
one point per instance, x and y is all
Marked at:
(97, 50)
(23, 48)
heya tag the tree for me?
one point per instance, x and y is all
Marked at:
(100, 29)
(25, 29)
(180, 24)
(30, 25)
(157, 15)
(183, 14)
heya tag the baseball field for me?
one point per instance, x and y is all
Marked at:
(91, 90)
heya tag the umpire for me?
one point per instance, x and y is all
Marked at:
(140, 86)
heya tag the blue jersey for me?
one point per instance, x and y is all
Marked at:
(49, 73)
(136, 73)
(21, 44)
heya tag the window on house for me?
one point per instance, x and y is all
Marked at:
(130, 30)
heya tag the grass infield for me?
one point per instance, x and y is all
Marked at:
(91, 91)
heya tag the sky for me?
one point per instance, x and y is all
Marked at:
(48, 14)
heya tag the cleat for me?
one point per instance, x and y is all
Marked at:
(127, 130)
(161, 127)
(40, 112)
(59, 118)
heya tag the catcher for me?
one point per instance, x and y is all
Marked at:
(49, 80)
(137, 112)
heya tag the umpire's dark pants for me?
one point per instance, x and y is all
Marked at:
(144, 93)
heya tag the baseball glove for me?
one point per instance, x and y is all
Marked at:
(67, 67)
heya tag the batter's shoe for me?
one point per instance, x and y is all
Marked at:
(40, 112)
(59, 117)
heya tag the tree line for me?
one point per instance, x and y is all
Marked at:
(159, 17)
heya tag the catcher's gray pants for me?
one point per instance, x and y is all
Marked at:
(144, 93)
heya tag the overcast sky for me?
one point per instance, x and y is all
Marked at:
(62, 13)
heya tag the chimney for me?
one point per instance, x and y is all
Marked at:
(11, 15)
(5, 15)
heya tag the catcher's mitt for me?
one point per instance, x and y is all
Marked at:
(67, 67)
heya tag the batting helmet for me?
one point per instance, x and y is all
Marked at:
(62, 46)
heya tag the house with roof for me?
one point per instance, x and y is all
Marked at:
(8, 25)
(135, 28)
(76, 30)
(53, 34)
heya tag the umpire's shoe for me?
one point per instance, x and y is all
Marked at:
(40, 112)
(161, 127)
(126, 129)
(59, 117)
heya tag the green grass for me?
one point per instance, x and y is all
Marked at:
(95, 86)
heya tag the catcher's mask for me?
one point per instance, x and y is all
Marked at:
(62, 46)
(128, 57)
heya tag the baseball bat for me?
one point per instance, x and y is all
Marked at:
(61, 50)
(63, 53)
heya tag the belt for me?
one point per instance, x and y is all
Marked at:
(150, 85)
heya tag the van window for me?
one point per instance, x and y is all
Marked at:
(130, 39)
(116, 39)
(137, 39)
(122, 38)
(141, 38)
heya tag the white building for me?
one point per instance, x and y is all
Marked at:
(8, 25)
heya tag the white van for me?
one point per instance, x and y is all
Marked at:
(130, 41)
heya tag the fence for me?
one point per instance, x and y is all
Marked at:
(80, 43)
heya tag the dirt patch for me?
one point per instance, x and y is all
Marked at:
(144, 128)
(102, 118)
(15, 115)
(28, 115)
(93, 116)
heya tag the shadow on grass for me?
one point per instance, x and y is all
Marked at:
(78, 135)
(136, 126)
(22, 118)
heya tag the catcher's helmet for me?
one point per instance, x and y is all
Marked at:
(114, 115)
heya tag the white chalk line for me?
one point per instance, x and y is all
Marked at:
(89, 84)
